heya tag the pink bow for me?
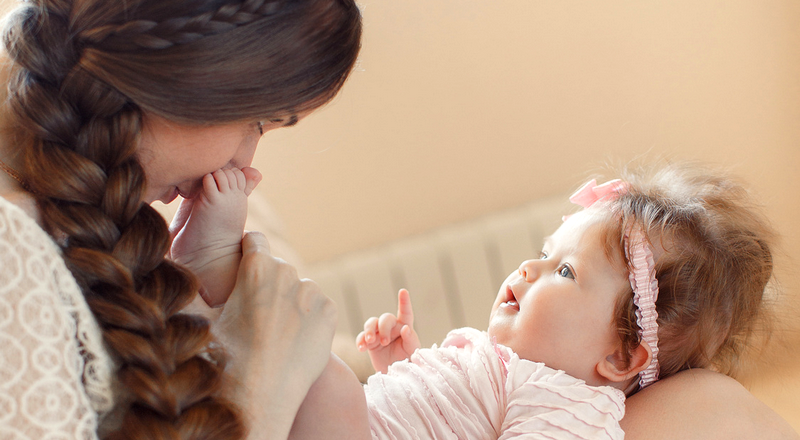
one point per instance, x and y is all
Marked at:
(591, 193)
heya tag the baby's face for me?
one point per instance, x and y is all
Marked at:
(559, 309)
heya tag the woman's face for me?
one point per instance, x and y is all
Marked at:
(176, 157)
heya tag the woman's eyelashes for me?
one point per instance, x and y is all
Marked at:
(287, 122)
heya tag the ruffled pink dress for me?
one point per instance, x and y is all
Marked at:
(470, 389)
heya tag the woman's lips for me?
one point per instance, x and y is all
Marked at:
(194, 189)
(169, 197)
(177, 191)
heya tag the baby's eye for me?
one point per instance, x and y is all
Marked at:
(543, 255)
(566, 272)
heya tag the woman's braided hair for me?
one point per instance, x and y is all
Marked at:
(82, 74)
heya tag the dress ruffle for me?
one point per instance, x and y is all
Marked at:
(472, 388)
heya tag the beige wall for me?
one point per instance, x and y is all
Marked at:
(462, 107)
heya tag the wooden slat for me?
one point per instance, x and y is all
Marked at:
(369, 277)
(465, 269)
(419, 262)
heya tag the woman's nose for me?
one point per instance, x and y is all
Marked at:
(529, 270)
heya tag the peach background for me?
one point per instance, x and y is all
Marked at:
(462, 107)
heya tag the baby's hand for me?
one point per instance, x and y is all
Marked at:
(390, 338)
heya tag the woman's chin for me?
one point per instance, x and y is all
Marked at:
(166, 198)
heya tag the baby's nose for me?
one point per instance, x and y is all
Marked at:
(529, 270)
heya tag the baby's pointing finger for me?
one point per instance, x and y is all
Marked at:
(405, 313)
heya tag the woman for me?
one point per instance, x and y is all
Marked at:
(112, 105)
(115, 104)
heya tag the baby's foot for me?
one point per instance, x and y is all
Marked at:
(209, 240)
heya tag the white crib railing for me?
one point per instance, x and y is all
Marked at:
(452, 273)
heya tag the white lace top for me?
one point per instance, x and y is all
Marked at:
(55, 375)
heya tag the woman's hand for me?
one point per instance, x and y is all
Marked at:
(390, 338)
(277, 330)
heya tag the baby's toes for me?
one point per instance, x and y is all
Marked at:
(252, 179)
(239, 180)
(210, 184)
(226, 180)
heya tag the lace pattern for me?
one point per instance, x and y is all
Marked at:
(55, 376)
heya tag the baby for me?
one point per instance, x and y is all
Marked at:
(208, 231)
(657, 274)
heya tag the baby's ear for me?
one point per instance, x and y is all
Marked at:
(613, 367)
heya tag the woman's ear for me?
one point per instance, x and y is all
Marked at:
(613, 367)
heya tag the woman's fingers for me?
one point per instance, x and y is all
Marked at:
(275, 315)
(254, 242)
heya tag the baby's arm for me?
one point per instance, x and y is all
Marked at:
(390, 338)
(208, 231)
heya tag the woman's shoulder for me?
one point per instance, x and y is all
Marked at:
(11, 197)
(20, 233)
(701, 404)
(42, 311)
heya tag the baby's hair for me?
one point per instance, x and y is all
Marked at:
(713, 262)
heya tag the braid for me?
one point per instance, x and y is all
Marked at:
(82, 75)
(148, 34)
(80, 161)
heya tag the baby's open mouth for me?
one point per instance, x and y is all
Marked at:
(510, 300)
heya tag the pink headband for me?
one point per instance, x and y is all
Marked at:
(642, 277)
